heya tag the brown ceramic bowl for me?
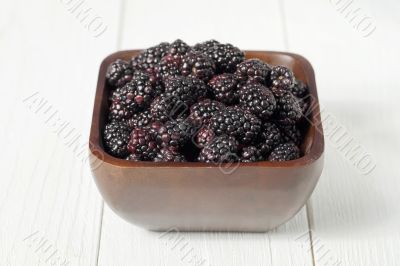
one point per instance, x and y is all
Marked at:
(196, 196)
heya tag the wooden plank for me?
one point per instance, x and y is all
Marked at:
(193, 23)
(355, 213)
(50, 210)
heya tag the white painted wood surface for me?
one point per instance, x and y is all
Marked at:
(50, 210)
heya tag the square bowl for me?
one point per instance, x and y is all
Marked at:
(194, 196)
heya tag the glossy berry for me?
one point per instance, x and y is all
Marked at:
(167, 107)
(187, 89)
(250, 154)
(131, 98)
(140, 119)
(281, 77)
(225, 56)
(236, 122)
(178, 48)
(198, 65)
(224, 88)
(288, 110)
(222, 149)
(201, 112)
(174, 134)
(150, 57)
(116, 136)
(258, 99)
(253, 70)
(291, 133)
(270, 137)
(204, 46)
(119, 73)
(204, 137)
(142, 144)
(284, 152)
(169, 66)
(169, 155)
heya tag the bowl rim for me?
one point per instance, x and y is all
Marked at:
(315, 152)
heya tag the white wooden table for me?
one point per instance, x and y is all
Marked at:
(50, 210)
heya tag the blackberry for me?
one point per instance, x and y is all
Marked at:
(201, 112)
(187, 89)
(169, 66)
(225, 56)
(116, 137)
(257, 99)
(288, 110)
(151, 77)
(131, 98)
(141, 119)
(281, 77)
(119, 111)
(178, 48)
(221, 150)
(204, 46)
(169, 155)
(175, 133)
(198, 65)
(284, 152)
(204, 137)
(148, 58)
(270, 137)
(119, 73)
(142, 144)
(290, 133)
(299, 89)
(133, 157)
(167, 107)
(253, 70)
(236, 122)
(250, 154)
(224, 87)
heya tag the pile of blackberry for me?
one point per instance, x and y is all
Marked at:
(204, 103)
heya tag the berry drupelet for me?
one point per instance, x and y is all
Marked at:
(116, 137)
(119, 73)
(224, 88)
(284, 152)
(253, 70)
(258, 99)
(222, 149)
(236, 122)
